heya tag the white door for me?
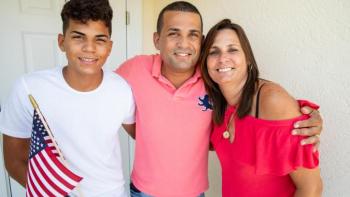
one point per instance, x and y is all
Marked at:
(28, 42)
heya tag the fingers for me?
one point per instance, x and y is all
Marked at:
(314, 140)
(311, 131)
(316, 147)
(307, 110)
(315, 120)
(311, 127)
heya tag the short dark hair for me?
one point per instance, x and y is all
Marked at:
(85, 10)
(182, 6)
(250, 86)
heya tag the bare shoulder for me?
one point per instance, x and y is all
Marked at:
(276, 103)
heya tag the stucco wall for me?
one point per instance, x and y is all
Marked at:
(303, 45)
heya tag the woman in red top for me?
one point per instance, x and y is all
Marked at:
(253, 120)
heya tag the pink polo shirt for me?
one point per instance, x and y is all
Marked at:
(172, 131)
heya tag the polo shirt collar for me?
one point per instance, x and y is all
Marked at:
(156, 70)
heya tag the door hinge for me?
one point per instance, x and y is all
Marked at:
(127, 18)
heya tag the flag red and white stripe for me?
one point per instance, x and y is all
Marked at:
(47, 175)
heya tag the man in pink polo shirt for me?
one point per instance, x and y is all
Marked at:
(173, 114)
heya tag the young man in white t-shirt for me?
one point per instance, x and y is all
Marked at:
(83, 104)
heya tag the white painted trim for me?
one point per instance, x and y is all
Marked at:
(134, 47)
(134, 29)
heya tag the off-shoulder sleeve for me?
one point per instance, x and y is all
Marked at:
(277, 152)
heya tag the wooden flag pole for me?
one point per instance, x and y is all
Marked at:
(36, 107)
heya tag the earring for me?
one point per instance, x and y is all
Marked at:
(250, 67)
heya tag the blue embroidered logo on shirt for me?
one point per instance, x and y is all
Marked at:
(205, 103)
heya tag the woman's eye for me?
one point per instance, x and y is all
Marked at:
(213, 52)
(232, 50)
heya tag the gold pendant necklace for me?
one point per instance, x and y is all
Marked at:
(227, 134)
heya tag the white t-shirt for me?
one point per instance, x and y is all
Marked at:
(84, 124)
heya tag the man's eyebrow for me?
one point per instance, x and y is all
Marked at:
(173, 29)
(98, 36)
(195, 31)
(102, 36)
(77, 32)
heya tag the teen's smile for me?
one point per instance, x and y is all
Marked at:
(88, 60)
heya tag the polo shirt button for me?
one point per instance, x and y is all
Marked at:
(177, 97)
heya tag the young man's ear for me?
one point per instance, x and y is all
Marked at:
(110, 46)
(156, 38)
(60, 40)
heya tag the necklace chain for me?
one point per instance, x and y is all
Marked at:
(227, 134)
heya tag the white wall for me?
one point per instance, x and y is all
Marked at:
(305, 46)
(149, 17)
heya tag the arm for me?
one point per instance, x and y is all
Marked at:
(130, 129)
(276, 103)
(16, 153)
(124, 71)
(307, 182)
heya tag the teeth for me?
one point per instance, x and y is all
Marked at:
(182, 54)
(224, 69)
(88, 59)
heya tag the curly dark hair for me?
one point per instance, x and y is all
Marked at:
(85, 10)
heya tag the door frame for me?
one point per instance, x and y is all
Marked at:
(134, 42)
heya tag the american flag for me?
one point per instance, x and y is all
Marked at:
(47, 175)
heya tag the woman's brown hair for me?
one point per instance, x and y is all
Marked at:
(218, 101)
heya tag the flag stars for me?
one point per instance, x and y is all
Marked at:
(38, 133)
